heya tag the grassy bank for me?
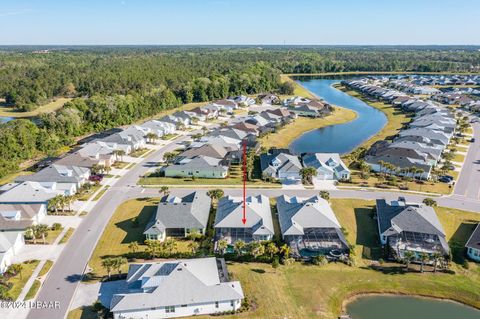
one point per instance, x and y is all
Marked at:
(299, 90)
(284, 136)
(396, 119)
(301, 291)
(9, 111)
(306, 291)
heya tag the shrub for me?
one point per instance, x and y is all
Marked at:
(56, 226)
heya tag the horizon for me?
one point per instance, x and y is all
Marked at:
(228, 22)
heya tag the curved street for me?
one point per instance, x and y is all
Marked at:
(64, 277)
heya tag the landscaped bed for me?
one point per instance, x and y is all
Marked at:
(308, 291)
(126, 226)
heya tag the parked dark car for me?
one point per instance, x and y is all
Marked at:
(96, 178)
(446, 179)
(472, 140)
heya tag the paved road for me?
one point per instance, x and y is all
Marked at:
(67, 271)
(468, 184)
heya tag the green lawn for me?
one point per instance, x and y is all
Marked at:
(32, 292)
(139, 152)
(49, 107)
(67, 235)
(20, 280)
(120, 164)
(459, 158)
(121, 231)
(86, 195)
(427, 186)
(100, 193)
(46, 268)
(284, 136)
(305, 291)
(301, 291)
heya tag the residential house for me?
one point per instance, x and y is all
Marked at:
(329, 166)
(258, 225)
(177, 288)
(179, 216)
(209, 150)
(295, 101)
(243, 100)
(309, 226)
(410, 227)
(473, 245)
(33, 192)
(21, 216)
(200, 166)
(226, 104)
(268, 99)
(280, 164)
(66, 177)
(10, 244)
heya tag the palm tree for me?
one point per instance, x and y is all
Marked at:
(285, 250)
(271, 249)
(54, 203)
(108, 264)
(118, 263)
(307, 174)
(39, 230)
(381, 165)
(169, 245)
(164, 191)
(193, 247)
(133, 247)
(256, 249)
(68, 201)
(154, 248)
(408, 256)
(222, 245)
(325, 195)
(423, 258)
(17, 269)
(119, 153)
(152, 137)
(436, 257)
(168, 157)
(215, 194)
(239, 246)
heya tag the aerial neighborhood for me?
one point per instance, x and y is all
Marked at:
(236, 197)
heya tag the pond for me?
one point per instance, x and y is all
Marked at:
(340, 138)
(401, 307)
(5, 119)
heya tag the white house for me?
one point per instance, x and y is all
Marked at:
(10, 244)
(473, 245)
(177, 288)
(329, 166)
(33, 192)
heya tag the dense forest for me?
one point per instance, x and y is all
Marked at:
(114, 86)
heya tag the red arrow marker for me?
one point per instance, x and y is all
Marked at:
(244, 219)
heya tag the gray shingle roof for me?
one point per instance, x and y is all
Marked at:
(417, 218)
(295, 214)
(190, 211)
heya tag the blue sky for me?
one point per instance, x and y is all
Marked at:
(239, 22)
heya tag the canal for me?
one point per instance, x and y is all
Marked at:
(340, 138)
